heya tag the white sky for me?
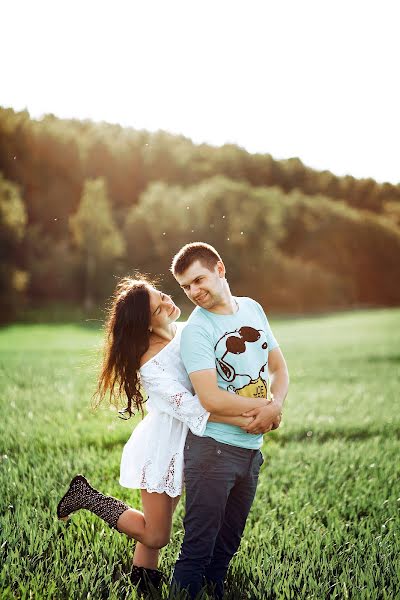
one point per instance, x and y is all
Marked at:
(316, 79)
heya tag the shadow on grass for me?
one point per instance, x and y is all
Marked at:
(348, 434)
(385, 358)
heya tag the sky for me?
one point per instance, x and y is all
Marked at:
(316, 79)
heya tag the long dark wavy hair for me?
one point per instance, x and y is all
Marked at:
(127, 339)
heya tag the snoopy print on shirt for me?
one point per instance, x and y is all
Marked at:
(252, 381)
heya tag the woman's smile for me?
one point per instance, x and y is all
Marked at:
(174, 308)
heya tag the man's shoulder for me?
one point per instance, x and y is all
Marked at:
(251, 306)
(197, 321)
(245, 300)
(196, 341)
(248, 302)
(195, 318)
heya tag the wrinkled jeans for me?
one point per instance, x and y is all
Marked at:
(221, 482)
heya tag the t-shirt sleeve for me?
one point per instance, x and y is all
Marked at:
(271, 340)
(197, 350)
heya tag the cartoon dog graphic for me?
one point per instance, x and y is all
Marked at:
(249, 340)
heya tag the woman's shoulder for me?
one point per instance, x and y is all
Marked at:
(148, 355)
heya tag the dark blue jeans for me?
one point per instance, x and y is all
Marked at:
(221, 482)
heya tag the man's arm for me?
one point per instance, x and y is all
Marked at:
(220, 401)
(269, 417)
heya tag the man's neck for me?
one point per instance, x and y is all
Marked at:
(227, 306)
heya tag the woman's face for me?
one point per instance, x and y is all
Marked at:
(163, 311)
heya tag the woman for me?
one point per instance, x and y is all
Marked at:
(142, 354)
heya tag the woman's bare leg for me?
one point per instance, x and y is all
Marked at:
(152, 527)
(143, 555)
(175, 502)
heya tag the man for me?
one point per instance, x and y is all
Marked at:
(226, 343)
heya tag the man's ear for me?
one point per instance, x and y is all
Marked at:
(221, 268)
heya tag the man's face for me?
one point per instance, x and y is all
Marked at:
(202, 286)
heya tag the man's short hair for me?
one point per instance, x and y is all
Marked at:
(205, 253)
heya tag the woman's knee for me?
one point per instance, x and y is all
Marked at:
(158, 539)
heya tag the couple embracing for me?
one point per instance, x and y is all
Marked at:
(208, 406)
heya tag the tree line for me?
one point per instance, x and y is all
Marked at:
(81, 203)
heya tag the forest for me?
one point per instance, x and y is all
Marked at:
(82, 203)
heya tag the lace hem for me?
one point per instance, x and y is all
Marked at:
(167, 482)
(159, 490)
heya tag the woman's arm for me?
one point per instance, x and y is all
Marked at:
(238, 421)
(169, 396)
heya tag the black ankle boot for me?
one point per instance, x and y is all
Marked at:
(146, 579)
(81, 494)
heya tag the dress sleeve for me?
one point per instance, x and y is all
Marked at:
(169, 396)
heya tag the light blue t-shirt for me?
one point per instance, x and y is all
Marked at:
(237, 347)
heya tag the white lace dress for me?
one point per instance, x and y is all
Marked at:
(152, 458)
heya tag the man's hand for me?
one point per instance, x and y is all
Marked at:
(269, 417)
(265, 418)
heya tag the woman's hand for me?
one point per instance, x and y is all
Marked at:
(243, 421)
(239, 421)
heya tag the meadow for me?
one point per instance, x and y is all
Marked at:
(325, 522)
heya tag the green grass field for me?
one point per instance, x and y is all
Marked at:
(325, 522)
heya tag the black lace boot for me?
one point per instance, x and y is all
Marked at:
(81, 494)
(146, 579)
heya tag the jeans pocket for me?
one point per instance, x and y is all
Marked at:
(201, 456)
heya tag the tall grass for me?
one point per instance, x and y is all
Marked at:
(325, 522)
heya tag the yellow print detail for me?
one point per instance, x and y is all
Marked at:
(254, 389)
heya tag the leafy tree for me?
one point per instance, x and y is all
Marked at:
(361, 248)
(12, 227)
(266, 216)
(53, 267)
(97, 239)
